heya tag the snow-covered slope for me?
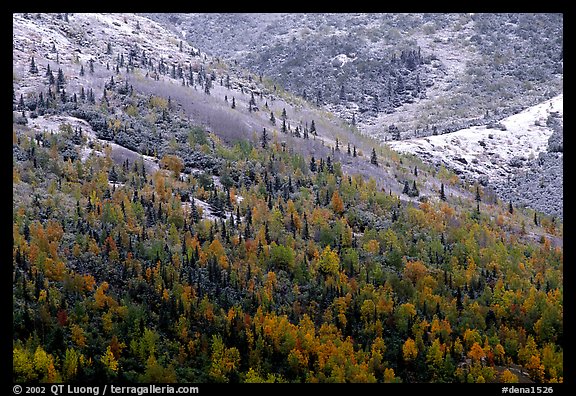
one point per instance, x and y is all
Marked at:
(494, 153)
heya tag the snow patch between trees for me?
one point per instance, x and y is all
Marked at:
(481, 150)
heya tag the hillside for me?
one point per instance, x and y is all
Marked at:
(408, 76)
(179, 219)
(524, 144)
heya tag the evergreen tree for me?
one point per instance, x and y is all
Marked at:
(354, 152)
(60, 81)
(313, 166)
(305, 231)
(51, 79)
(21, 105)
(238, 219)
(406, 189)
(264, 139)
(373, 158)
(535, 218)
(272, 118)
(478, 194)
(252, 102)
(313, 129)
(329, 165)
(442, 194)
(414, 192)
(233, 102)
(510, 207)
(33, 68)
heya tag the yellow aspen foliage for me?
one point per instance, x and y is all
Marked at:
(499, 353)
(368, 311)
(76, 250)
(372, 246)
(389, 376)
(404, 314)
(42, 296)
(71, 364)
(99, 296)
(458, 347)
(78, 335)
(409, 350)
(529, 350)
(224, 360)
(471, 337)
(93, 247)
(297, 360)
(508, 377)
(109, 361)
(172, 163)
(535, 368)
(42, 362)
(435, 355)
(329, 262)
(23, 365)
(107, 322)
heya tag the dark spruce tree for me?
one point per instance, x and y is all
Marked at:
(313, 129)
(442, 194)
(373, 158)
(33, 67)
(406, 189)
(414, 191)
(264, 139)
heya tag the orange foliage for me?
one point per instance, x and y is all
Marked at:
(476, 352)
(337, 204)
(414, 271)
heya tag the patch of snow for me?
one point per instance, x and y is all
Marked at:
(481, 150)
(340, 60)
(206, 212)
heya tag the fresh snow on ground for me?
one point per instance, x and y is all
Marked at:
(480, 150)
(52, 123)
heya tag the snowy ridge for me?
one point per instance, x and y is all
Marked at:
(492, 152)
